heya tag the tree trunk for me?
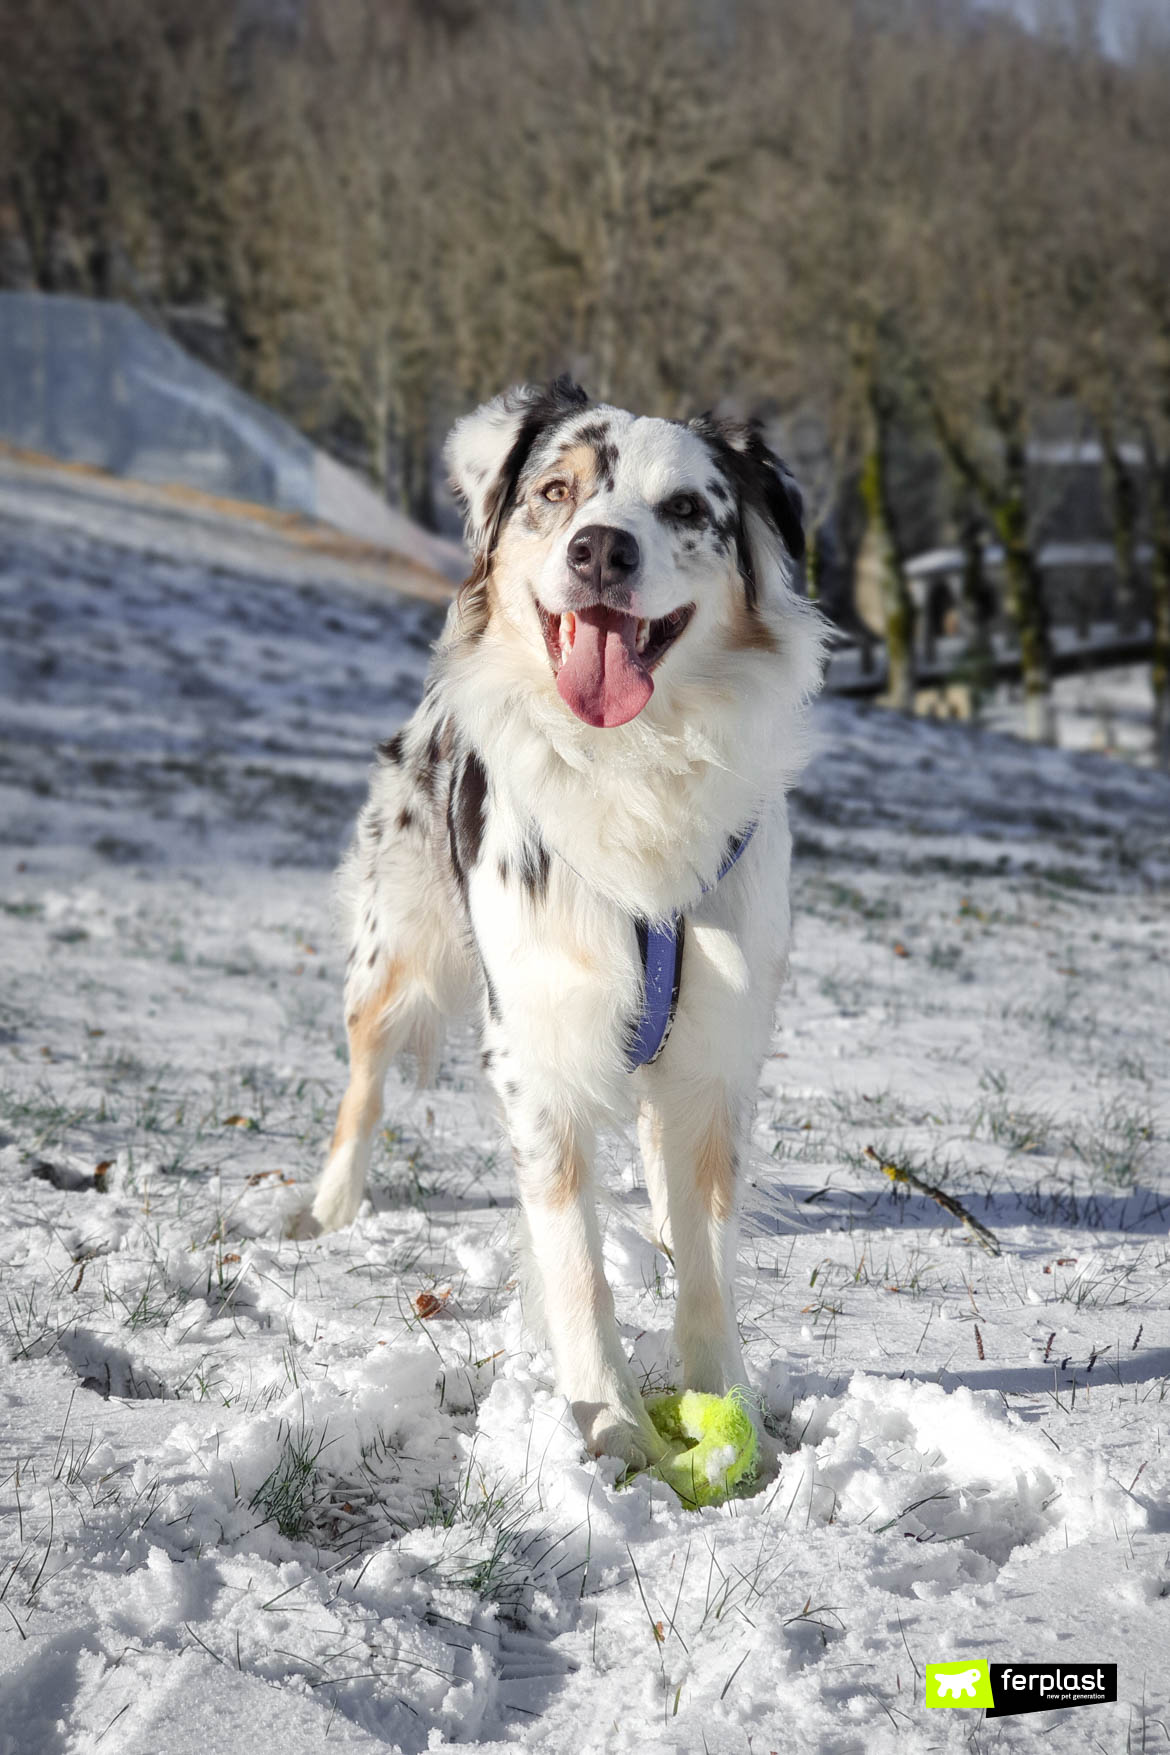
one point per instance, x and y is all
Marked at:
(978, 608)
(1121, 492)
(896, 603)
(1006, 504)
(1159, 478)
(1024, 591)
(1024, 584)
(415, 459)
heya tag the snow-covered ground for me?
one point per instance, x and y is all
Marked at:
(1110, 711)
(295, 1496)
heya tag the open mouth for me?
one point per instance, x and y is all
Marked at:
(602, 659)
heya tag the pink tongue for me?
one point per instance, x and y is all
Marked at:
(603, 680)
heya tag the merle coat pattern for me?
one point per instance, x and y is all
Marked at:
(619, 691)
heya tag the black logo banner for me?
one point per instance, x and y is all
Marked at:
(1050, 1687)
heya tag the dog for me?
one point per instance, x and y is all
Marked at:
(582, 831)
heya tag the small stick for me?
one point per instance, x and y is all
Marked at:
(896, 1173)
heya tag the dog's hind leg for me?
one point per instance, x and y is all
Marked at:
(372, 1043)
(409, 968)
(398, 1004)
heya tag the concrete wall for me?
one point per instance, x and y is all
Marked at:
(92, 382)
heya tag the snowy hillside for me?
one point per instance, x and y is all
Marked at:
(297, 1496)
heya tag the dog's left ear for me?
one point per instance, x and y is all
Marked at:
(486, 452)
(765, 484)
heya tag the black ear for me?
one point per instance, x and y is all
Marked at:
(763, 482)
(486, 452)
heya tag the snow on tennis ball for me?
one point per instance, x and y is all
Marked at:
(719, 1440)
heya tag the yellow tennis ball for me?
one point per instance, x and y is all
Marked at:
(718, 1444)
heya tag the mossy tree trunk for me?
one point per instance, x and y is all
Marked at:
(1005, 501)
(978, 605)
(897, 605)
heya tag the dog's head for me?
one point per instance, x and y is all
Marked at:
(620, 544)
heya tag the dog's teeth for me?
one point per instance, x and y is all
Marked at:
(568, 632)
(643, 636)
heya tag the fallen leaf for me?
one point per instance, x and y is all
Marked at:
(430, 1303)
(243, 1121)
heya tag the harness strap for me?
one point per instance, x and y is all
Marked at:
(660, 949)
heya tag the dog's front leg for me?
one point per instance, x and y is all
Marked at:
(693, 1138)
(553, 1163)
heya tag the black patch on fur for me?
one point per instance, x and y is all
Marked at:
(493, 997)
(391, 750)
(534, 868)
(453, 842)
(466, 812)
(594, 432)
(405, 818)
(503, 871)
(607, 457)
(551, 405)
(727, 529)
(760, 483)
(486, 1058)
(426, 769)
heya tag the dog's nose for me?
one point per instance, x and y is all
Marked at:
(604, 558)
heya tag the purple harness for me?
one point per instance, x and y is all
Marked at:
(661, 951)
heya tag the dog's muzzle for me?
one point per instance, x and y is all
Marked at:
(602, 563)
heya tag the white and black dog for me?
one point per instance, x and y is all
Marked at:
(600, 759)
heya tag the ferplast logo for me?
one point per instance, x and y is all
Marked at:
(1003, 1690)
(965, 1682)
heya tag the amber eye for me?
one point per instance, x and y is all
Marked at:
(555, 490)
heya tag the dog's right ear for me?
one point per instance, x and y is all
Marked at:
(486, 452)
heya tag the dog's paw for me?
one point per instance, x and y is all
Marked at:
(767, 1454)
(302, 1226)
(609, 1431)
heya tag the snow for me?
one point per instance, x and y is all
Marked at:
(249, 1491)
(1110, 710)
(1049, 556)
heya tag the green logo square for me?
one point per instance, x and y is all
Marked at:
(962, 1682)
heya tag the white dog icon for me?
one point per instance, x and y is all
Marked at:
(958, 1682)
